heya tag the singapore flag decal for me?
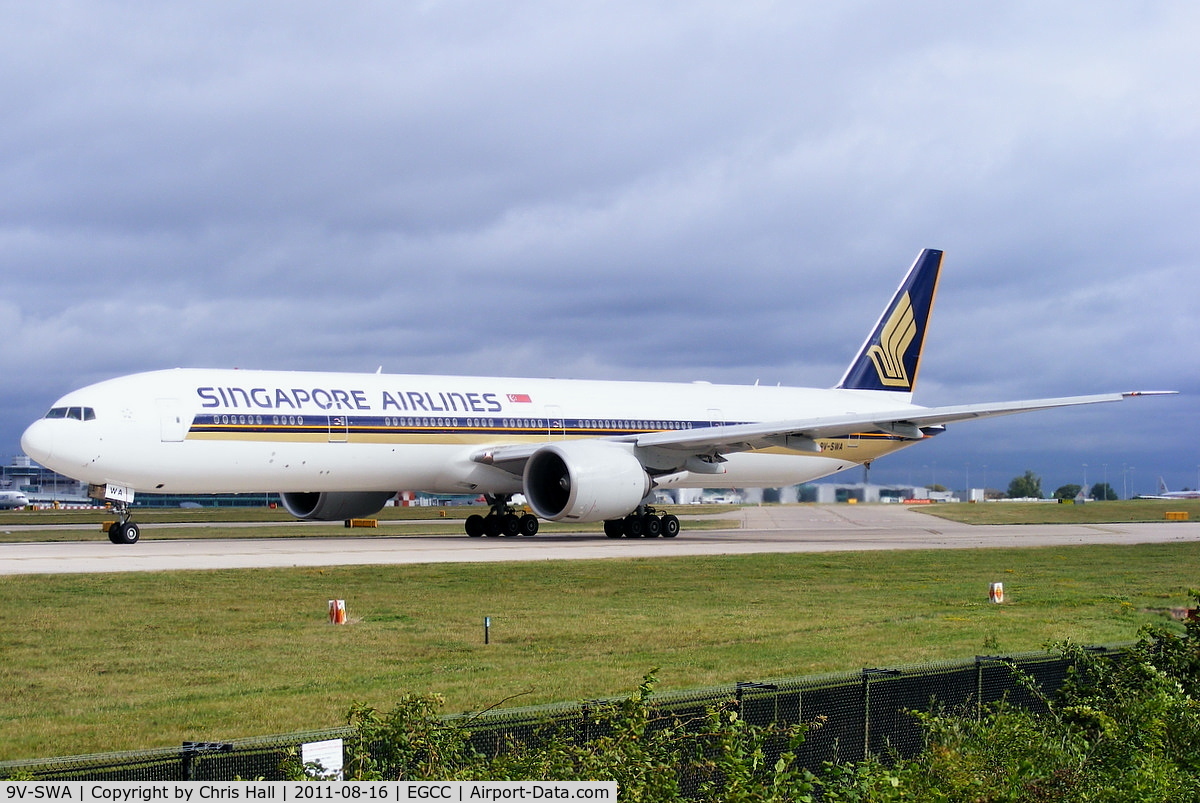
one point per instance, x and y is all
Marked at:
(519, 398)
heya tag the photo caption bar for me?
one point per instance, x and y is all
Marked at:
(287, 791)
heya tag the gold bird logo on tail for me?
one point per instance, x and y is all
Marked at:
(888, 354)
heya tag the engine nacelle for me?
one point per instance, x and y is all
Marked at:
(335, 506)
(584, 481)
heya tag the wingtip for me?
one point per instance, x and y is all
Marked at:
(1132, 393)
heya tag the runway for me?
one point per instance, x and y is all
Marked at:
(772, 529)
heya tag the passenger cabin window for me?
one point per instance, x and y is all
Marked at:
(75, 413)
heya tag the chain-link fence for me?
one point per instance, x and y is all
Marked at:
(264, 757)
(859, 713)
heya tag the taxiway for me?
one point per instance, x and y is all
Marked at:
(753, 530)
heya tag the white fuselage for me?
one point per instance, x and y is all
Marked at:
(221, 431)
(13, 499)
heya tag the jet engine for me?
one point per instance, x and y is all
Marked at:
(335, 506)
(584, 481)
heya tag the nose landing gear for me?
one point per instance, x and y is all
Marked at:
(124, 531)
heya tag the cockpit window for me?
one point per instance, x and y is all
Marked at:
(75, 413)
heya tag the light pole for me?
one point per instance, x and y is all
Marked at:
(1085, 492)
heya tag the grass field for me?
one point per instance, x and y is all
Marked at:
(1132, 510)
(95, 663)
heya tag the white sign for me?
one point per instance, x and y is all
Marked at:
(119, 493)
(327, 753)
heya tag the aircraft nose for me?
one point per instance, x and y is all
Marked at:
(38, 441)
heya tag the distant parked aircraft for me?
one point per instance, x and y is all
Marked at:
(12, 499)
(1163, 493)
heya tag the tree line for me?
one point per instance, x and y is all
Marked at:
(1029, 486)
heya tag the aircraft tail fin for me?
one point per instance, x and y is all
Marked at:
(891, 356)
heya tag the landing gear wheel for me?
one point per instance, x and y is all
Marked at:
(501, 519)
(651, 526)
(633, 526)
(614, 528)
(124, 532)
(670, 526)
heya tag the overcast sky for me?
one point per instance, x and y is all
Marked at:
(720, 191)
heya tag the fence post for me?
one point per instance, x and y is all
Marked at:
(979, 659)
(866, 704)
(980, 667)
(193, 750)
(743, 685)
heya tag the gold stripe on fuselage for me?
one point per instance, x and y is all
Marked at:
(857, 448)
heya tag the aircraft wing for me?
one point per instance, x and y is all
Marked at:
(905, 423)
(802, 434)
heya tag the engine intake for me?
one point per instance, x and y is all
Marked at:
(584, 481)
(335, 506)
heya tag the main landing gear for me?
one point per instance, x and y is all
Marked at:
(643, 523)
(502, 520)
(123, 531)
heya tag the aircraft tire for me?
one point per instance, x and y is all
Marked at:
(614, 528)
(651, 526)
(670, 526)
(124, 533)
(474, 525)
(492, 526)
(633, 526)
(529, 524)
(510, 524)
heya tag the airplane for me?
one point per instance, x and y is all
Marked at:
(13, 499)
(338, 446)
(1163, 493)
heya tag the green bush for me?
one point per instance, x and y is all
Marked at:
(653, 756)
(1123, 728)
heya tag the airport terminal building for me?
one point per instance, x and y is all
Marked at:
(46, 488)
(41, 485)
